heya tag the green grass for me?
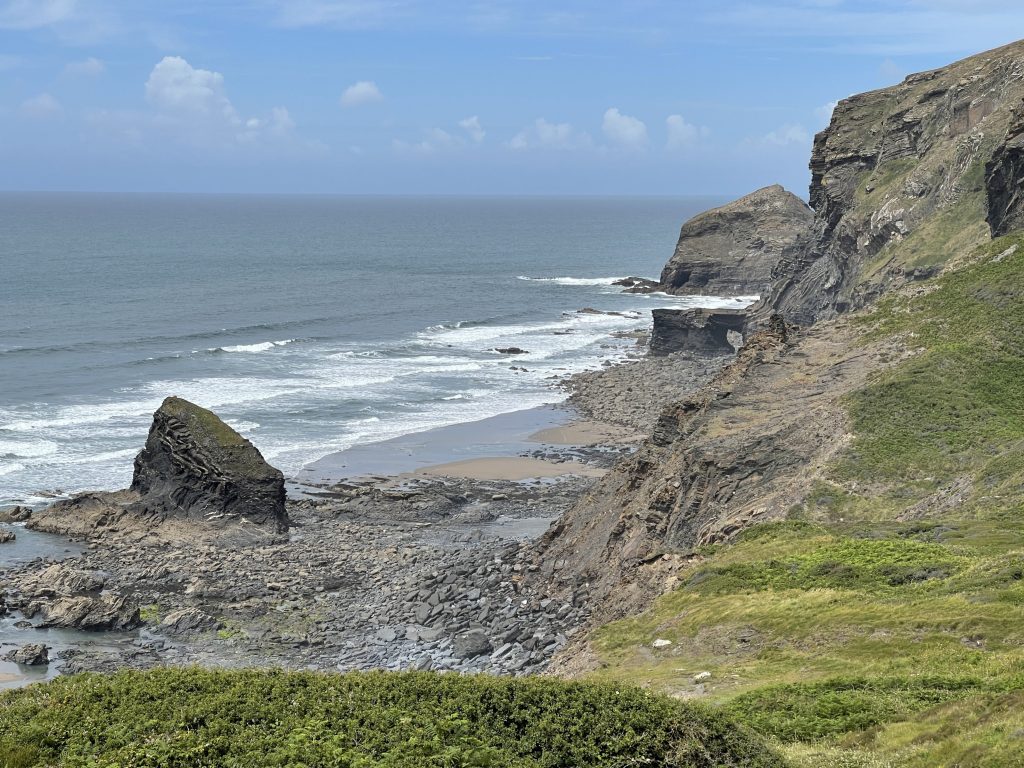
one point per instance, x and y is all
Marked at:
(951, 407)
(191, 717)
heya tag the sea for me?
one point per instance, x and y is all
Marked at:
(311, 324)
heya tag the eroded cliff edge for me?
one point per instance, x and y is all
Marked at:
(905, 183)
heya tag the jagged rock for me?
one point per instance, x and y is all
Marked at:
(510, 350)
(106, 612)
(6, 536)
(638, 284)
(941, 148)
(471, 644)
(189, 621)
(15, 515)
(31, 655)
(196, 466)
(704, 331)
(196, 472)
(733, 250)
(66, 580)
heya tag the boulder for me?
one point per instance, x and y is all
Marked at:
(6, 536)
(31, 655)
(15, 514)
(189, 621)
(510, 350)
(471, 644)
(105, 612)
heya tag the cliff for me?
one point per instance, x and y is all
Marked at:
(903, 181)
(733, 250)
(899, 184)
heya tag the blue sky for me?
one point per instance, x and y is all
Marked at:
(444, 97)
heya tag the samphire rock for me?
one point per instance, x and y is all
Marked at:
(195, 466)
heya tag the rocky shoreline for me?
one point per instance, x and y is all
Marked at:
(418, 572)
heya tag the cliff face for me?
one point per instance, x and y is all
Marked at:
(903, 182)
(732, 250)
(899, 184)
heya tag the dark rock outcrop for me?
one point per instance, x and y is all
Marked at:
(6, 536)
(699, 331)
(197, 467)
(1004, 180)
(733, 250)
(195, 475)
(31, 655)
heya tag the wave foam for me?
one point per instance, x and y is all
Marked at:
(262, 346)
(572, 280)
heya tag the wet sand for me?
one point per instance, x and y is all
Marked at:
(516, 468)
(587, 432)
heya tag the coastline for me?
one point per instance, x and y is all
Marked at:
(398, 548)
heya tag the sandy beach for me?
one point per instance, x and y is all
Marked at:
(516, 468)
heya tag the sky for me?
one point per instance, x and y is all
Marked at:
(523, 97)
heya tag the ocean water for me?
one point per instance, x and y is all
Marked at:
(310, 324)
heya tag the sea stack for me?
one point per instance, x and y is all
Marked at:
(197, 467)
(195, 477)
(733, 250)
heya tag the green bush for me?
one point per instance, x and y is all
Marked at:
(173, 718)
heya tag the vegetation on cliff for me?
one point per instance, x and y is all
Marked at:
(191, 717)
(881, 625)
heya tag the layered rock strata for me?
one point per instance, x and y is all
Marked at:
(195, 476)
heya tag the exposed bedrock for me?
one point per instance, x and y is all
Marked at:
(899, 184)
(733, 250)
(699, 331)
(195, 473)
(1004, 180)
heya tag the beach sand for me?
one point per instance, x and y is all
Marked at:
(509, 468)
(587, 432)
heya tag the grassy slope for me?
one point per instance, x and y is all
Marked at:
(857, 634)
(413, 720)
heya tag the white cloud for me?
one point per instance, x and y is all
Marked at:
(176, 87)
(682, 134)
(788, 134)
(90, 67)
(192, 107)
(627, 131)
(363, 92)
(471, 125)
(824, 112)
(42, 106)
(34, 14)
(545, 135)
(437, 139)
